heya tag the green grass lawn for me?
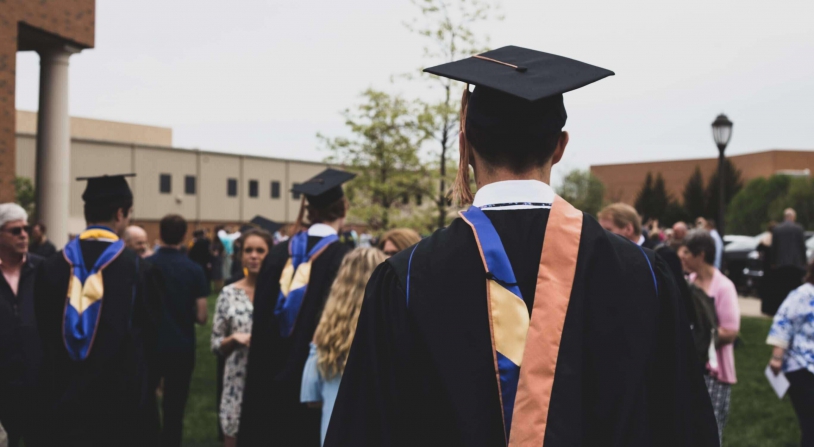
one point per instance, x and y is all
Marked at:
(201, 419)
(757, 418)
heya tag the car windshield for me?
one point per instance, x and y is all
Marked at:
(744, 243)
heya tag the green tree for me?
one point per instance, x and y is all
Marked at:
(694, 195)
(583, 190)
(447, 27)
(732, 185)
(660, 199)
(748, 212)
(644, 199)
(26, 196)
(674, 212)
(800, 197)
(383, 151)
(653, 200)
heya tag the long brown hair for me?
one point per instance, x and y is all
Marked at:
(400, 237)
(334, 334)
(335, 210)
(461, 192)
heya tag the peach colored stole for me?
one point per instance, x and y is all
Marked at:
(530, 345)
(555, 279)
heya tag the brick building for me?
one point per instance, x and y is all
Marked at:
(624, 181)
(56, 30)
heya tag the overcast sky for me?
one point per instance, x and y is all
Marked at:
(263, 77)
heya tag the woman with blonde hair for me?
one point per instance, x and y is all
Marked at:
(334, 335)
(397, 240)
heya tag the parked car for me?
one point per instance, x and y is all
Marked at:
(736, 257)
(730, 238)
(755, 262)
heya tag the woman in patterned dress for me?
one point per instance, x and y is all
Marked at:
(232, 328)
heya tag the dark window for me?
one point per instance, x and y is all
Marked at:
(418, 199)
(295, 195)
(275, 190)
(189, 185)
(231, 187)
(405, 198)
(165, 183)
(253, 187)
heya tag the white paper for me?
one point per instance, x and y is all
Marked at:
(712, 354)
(779, 382)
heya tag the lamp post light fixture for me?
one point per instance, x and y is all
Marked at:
(721, 132)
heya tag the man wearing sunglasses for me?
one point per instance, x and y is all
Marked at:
(20, 350)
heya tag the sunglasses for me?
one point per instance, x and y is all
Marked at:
(17, 231)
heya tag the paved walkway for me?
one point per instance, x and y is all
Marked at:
(750, 307)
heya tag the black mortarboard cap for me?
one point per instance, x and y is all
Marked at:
(518, 92)
(106, 188)
(266, 224)
(324, 188)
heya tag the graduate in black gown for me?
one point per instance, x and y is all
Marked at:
(98, 339)
(287, 308)
(523, 323)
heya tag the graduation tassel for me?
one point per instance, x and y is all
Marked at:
(461, 192)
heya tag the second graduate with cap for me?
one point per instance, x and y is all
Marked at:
(523, 323)
(98, 307)
(291, 291)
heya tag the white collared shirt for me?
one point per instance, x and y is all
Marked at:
(321, 230)
(514, 195)
(641, 240)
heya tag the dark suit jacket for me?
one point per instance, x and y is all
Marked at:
(20, 350)
(788, 246)
(651, 242)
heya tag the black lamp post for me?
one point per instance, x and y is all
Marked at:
(721, 132)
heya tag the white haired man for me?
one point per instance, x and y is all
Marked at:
(20, 351)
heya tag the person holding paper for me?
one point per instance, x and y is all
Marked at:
(698, 257)
(792, 335)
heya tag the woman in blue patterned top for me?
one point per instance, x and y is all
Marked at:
(792, 335)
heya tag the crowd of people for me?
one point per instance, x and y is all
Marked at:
(711, 301)
(118, 374)
(523, 322)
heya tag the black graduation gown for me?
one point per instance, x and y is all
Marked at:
(424, 374)
(272, 414)
(105, 399)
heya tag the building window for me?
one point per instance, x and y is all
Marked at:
(405, 199)
(418, 199)
(275, 190)
(231, 187)
(295, 195)
(253, 187)
(165, 183)
(189, 185)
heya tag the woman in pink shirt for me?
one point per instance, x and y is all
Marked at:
(698, 256)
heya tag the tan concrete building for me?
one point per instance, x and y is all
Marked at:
(207, 188)
(624, 181)
(56, 30)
